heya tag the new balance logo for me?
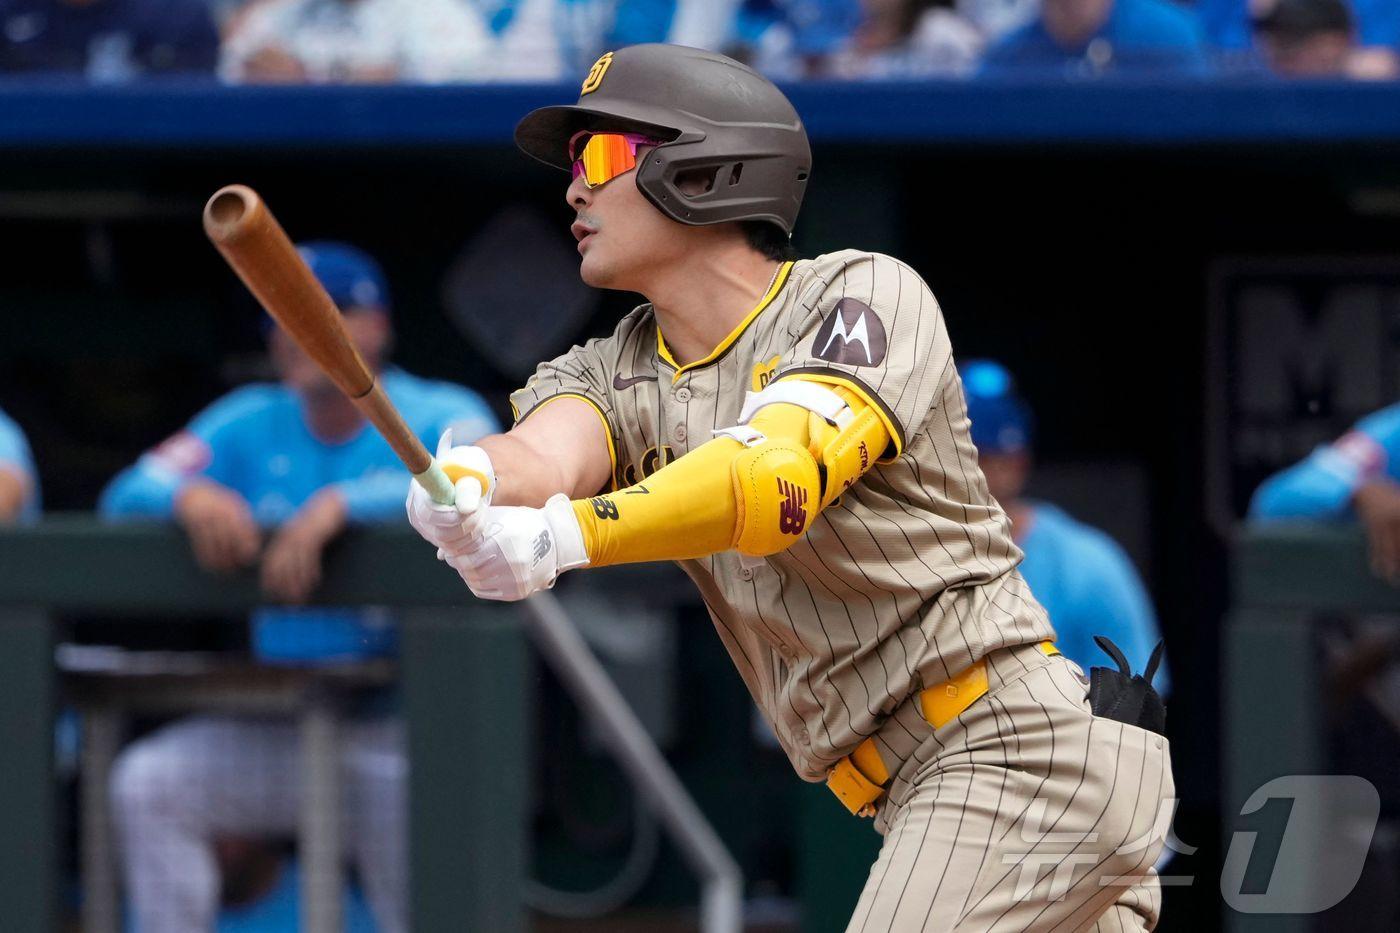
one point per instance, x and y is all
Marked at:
(541, 547)
(852, 334)
(792, 512)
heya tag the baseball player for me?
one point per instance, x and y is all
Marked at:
(793, 433)
(296, 458)
(19, 483)
(1081, 576)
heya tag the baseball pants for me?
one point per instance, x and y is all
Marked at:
(1027, 813)
(178, 789)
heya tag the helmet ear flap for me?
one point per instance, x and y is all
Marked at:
(685, 190)
(688, 181)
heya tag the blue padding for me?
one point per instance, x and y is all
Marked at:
(56, 113)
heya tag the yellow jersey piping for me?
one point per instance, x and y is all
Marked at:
(607, 428)
(665, 354)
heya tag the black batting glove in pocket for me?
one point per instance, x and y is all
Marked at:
(1124, 696)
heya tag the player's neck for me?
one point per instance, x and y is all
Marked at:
(698, 304)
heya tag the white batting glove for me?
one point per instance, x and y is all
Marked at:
(522, 551)
(452, 528)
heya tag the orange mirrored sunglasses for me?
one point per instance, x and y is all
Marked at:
(601, 157)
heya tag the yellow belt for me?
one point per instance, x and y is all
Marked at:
(859, 779)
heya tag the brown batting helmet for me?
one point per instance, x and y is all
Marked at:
(713, 113)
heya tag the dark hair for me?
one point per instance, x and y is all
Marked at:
(1300, 19)
(768, 239)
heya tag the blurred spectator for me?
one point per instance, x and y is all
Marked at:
(299, 459)
(1355, 478)
(995, 19)
(701, 24)
(1316, 39)
(910, 39)
(107, 40)
(1231, 25)
(260, 887)
(367, 41)
(794, 38)
(540, 40)
(1081, 576)
(19, 483)
(1091, 38)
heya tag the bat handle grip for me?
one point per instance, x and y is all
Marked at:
(438, 486)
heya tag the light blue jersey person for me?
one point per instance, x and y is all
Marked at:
(1081, 576)
(295, 461)
(1356, 478)
(266, 477)
(19, 481)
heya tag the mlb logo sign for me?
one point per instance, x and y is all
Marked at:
(1299, 350)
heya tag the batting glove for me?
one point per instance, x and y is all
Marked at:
(522, 551)
(451, 528)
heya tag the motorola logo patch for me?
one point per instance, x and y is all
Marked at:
(851, 335)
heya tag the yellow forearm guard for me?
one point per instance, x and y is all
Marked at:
(757, 496)
(682, 511)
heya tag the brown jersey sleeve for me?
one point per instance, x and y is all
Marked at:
(581, 373)
(878, 330)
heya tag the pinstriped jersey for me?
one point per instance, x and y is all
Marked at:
(906, 579)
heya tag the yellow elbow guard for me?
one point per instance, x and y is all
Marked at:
(841, 431)
(777, 488)
(805, 444)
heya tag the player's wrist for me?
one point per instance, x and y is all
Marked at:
(570, 548)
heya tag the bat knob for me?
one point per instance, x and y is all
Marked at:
(228, 211)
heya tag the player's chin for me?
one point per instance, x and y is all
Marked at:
(595, 270)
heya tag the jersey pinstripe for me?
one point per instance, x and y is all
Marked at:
(1026, 813)
(908, 578)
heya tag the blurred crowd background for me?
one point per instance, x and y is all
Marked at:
(441, 41)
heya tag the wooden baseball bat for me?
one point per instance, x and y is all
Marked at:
(251, 240)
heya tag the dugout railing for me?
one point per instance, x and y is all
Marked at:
(465, 684)
(1286, 583)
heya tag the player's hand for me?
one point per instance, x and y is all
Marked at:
(451, 528)
(522, 551)
(1377, 505)
(220, 525)
(291, 565)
